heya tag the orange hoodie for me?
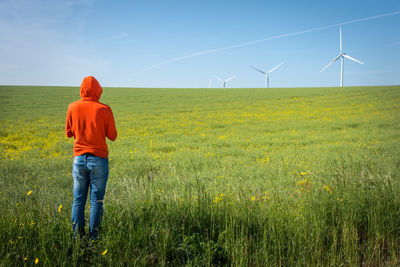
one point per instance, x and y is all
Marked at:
(90, 121)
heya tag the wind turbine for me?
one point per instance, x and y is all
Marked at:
(266, 73)
(209, 83)
(225, 81)
(341, 56)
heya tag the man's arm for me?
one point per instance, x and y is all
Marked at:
(68, 124)
(111, 131)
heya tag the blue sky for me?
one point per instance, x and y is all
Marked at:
(168, 43)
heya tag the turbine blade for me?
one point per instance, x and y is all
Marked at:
(230, 78)
(275, 68)
(218, 78)
(341, 40)
(349, 57)
(257, 70)
(330, 63)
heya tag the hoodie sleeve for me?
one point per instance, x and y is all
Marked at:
(68, 124)
(111, 131)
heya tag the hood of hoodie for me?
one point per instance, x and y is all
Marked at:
(91, 89)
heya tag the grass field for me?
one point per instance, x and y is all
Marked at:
(260, 177)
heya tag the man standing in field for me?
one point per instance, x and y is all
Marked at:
(89, 122)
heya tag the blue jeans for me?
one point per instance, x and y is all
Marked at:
(91, 172)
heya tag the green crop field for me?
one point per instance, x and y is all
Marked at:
(209, 177)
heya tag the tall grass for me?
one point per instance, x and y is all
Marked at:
(261, 177)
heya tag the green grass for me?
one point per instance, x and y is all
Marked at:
(261, 177)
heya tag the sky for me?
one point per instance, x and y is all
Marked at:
(186, 43)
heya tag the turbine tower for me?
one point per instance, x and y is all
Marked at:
(225, 81)
(266, 73)
(341, 56)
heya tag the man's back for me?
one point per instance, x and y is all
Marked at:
(90, 122)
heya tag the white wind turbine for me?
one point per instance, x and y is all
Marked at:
(225, 81)
(341, 56)
(266, 73)
(209, 83)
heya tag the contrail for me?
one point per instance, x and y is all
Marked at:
(204, 52)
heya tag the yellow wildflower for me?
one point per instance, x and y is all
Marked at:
(253, 198)
(36, 261)
(59, 208)
(218, 197)
(303, 173)
(264, 160)
(104, 252)
(303, 182)
(25, 258)
(29, 192)
(210, 154)
(328, 189)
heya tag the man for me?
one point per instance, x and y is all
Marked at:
(89, 122)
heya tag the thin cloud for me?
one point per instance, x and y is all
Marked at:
(32, 43)
(205, 52)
